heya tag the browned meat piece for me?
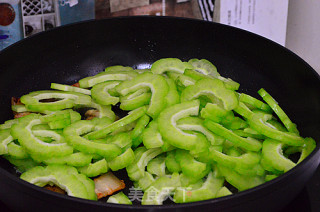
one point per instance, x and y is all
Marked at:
(55, 189)
(19, 115)
(76, 85)
(15, 101)
(90, 114)
(107, 184)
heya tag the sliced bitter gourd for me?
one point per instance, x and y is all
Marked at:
(106, 76)
(73, 136)
(119, 198)
(36, 147)
(100, 93)
(66, 177)
(215, 90)
(65, 99)
(157, 85)
(168, 65)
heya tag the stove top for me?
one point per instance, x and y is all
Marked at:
(308, 199)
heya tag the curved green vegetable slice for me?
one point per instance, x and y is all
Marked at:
(5, 139)
(119, 198)
(241, 182)
(168, 126)
(243, 110)
(60, 175)
(75, 159)
(242, 164)
(189, 166)
(214, 112)
(270, 177)
(188, 66)
(273, 156)
(185, 81)
(73, 134)
(248, 132)
(22, 131)
(145, 181)
(173, 96)
(62, 87)
(208, 190)
(229, 83)
(224, 191)
(168, 65)
(131, 102)
(156, 83)
(167, 147)
(171, 163)
(160, 189)
(122, 161)
(259, 123)
(94, 169)
(309, 146)
(196, 124)
(275, 124)
(17, 151)
(136, 170)
(118, 68)
(204, 66)
(215, 90)
(123, 140)
(104, 131)
(196, 75)
(103, 110)
(65, 99)
(8, 124)
(100, 93)
(138, 130)
(173, 75)
(151, 136)
(245, 143)
(157, 166)
(106, 76)
(90, 186)
(278, 110)
(19, 109)
(61, 119)
(245, 98)
(234, 123)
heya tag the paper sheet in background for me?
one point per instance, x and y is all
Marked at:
(266, 18)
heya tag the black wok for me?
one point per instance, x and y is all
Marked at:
(68, 53)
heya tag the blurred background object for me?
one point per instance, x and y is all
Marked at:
(178, 8)
(265, 18)
(39, 15)
(292, 23)
(303, 33)
(10, 22)
(72, 11)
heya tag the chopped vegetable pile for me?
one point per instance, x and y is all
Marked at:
(189, 135)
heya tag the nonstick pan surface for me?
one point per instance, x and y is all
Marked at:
(69, 53)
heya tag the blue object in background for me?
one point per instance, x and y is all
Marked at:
(84, 10)
(13, 32)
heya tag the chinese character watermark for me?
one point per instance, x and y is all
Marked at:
(153, 194)
(135, 194)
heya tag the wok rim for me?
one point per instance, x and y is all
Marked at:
(255, 190)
